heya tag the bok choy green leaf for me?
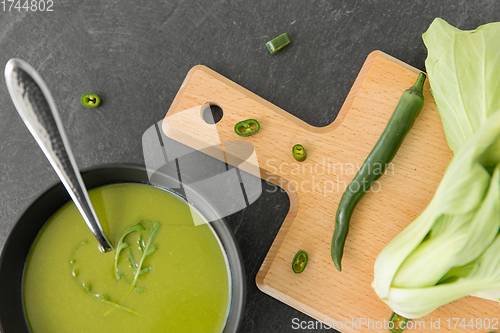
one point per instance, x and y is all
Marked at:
(453, 248)
(464, 73)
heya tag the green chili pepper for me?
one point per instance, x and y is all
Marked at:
(278, 43)
(299, 153)
(398, 323)
(90, 100)
(247, 127)
(299, 262)
(399, 124)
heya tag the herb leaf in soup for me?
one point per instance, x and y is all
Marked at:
(122, 245)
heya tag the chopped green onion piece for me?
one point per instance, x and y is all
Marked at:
(299, 153)
(90, 100)
(397, 323)
(299, 262)
(278, 43)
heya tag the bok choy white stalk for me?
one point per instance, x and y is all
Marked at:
(453, 248)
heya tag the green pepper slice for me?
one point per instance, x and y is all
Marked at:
(278, 43)
(299, 262)
(398, 323)
(299, 153)
(90, 100)
(247, 127)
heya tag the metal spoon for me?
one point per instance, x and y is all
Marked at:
(35, 105)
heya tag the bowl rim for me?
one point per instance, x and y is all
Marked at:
(57, 192)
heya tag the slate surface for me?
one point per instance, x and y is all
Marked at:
(135, 55)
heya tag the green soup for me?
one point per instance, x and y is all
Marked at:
(70, 286)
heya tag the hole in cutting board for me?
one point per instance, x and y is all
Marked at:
(213, 114)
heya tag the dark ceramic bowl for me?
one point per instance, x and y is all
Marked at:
(18, 244)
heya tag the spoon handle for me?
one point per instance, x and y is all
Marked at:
(36, 107)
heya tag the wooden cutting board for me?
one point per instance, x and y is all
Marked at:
(335, 153)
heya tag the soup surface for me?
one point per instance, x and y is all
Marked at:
(182, 284)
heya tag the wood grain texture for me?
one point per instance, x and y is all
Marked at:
(335, 153)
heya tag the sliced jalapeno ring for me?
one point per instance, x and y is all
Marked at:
(90, 100)
(398, 323)
(299, 153)
(247, 127)
(299, 262)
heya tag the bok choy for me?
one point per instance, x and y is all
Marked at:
(453, 248)
(464, 73)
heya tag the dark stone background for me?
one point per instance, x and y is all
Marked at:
(135, 55)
